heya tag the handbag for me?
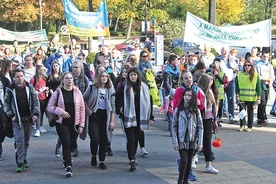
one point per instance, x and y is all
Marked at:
(52, 118)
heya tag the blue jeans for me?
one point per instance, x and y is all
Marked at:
(273, 108)
(230, 93)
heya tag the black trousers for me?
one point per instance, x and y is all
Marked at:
(207, 138)
(132, 135)
(68, 137)
(248, 106)
(142, 139)
(261, 114)
(97, 132)
(220, 108)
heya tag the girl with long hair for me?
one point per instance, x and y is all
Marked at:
(248, 93)
(100, 105)
(187, 132)
(134, 106)
(67, 102)
(209, 119)
(39, 81)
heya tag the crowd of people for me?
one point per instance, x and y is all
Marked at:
(195, 91)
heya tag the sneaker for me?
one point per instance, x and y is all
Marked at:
(212, 170)
(220, 120)
(68, 172)
(241, 128)
(233, 121)
(102, 166)
(144, 152)
(192, 177)
(76, 152)
(249, 129)
(93, 161)
(25, 164)
(196, 158)
(37, 133)
(193, 164)
(109, 151)
(42, 130)
(132, 166)
(57, 151)
(19, 168)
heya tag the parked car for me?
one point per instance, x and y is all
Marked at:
(131, 41)
(188, 47)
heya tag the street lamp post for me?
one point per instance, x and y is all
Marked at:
(40, 13)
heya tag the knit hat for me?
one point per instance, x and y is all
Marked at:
(172, 92)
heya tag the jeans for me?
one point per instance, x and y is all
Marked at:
(248, 106)
(230, 93)
(97, 132)
(273, 108)
(68, 137)
(170, 120)
(22, 136)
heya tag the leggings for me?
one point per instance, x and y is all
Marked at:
(97, 132)
(186, 156)
(42, 104)
(207, 138)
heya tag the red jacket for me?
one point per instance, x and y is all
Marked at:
(179, 95)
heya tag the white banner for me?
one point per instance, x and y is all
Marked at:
(200, 31)
(38, 35)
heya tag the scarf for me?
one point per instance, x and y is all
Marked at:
(174, 71)
(129, 108)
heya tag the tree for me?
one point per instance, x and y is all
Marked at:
(19, 11)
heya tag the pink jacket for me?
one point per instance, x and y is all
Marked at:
(79, 106)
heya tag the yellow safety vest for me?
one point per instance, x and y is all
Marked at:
(247, 88)
(220, 86)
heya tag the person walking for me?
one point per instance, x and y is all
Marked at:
(100, 105)
(53, 82)
(67, 103)
(265, 71)
(248, 93)
(187, 132)
(22, 106)
(205, 82)
(39, 82)
(134, 106)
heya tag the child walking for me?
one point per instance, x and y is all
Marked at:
(187, 132)
(168, 108)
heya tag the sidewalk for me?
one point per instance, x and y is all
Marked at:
(243, 158)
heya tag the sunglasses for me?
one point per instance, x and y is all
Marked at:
(145, 56)
(247, 65)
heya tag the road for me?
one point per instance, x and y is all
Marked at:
(243, 158)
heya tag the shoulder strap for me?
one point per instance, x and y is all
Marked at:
(34, 81)
(57, 97)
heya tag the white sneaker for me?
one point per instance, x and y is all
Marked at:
(196, 158)
(144, 152)
(212, 170)
(193, 164)
(42, 130)
(37, 133)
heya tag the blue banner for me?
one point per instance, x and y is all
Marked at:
(86, 23)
